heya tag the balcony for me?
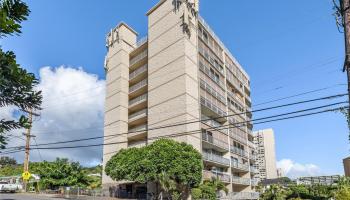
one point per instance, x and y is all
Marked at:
(138, 103)
(238, 138)
(214, 124)
(206, 71)
(254, 182)
(214, 143)
(239, 167)
(254, 170)
(138, 117)
(224, 177)
(213, 109)
(138, 88)
(137, 132)
(238, 151)
(138, 58)
(135, 75)
(211, 60)
(253, 156)
(141, 41)
(205, 86)
(240, 181)
(216, 159)
(241, 195)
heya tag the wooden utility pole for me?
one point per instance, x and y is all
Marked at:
(26, 156)
(345, 12)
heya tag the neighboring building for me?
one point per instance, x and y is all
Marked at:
(346, 163)
(319, 180)
(180, 72)
(266, 159)
(280, 173)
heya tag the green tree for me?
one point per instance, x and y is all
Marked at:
(16, 84)
(176, 167)
(61, 172)
(7, 161)
(342, 194)
(275, 192)
(209, 189)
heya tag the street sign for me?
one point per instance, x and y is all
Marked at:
(26, 175)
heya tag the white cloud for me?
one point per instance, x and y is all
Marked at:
(293, 169)
(73, 103)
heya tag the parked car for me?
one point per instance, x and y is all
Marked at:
(8, 187)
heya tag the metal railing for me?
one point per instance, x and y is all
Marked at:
(238, 151)
(138, 71)
(215, 158)
(139, 57)
(240, 180)
(217, 142)
(141, 41)
(138, 99)
(224, 177)
(206, 70)
(254, 182)
(205, 54)
(238, 138)
(205, 102)
(238, 165)
(138, 85)
(241, 195)
(254, 170)
(138, 129)
(138, 114)
(212, 91)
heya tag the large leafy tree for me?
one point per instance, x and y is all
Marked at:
(16, 84)
(176, 167)
(7, 161)
(61, 172)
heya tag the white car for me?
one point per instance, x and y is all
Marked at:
(8, 187)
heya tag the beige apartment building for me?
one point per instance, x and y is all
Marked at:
(181, 72)
(346, 164)
(266, 158)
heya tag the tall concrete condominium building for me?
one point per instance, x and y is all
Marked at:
(181, 72)
(346, 163)
(266, 158)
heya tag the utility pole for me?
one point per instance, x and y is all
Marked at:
(345, 12)
(26, 156)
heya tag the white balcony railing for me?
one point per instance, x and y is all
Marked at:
(217, 142)
(224, 177)
(138, 71)
(240, 180)
(215, 158)
(254, 182)
(205, 102)
(138, 129)
(254, 170)
(206, 70)
(238, 151)
(139, 57)
(240, 166)
(138, 100)
(241, 195)
(138, 85)
(141, 41)
(138, 114)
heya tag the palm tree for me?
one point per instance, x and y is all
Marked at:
(167, 184)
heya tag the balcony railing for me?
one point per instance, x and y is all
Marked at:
(214, 124)
(238, 138)
(241, 195)
(211, 60)
(138, 85)
(254, 182)
(139, 57)
(141, 41)
(241, 181)
(224, 177)
(212, 107)
(238, 151)
(206, 70)
(254, 170)
(138, 114)
(217, 142)
(252, 156)
(138, 71)
(240, 166)
(212, 91)
(216, 158)
(138, 99)
(138, 129)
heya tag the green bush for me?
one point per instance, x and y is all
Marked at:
(196, 193)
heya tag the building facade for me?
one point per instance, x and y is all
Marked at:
(266, 158)
(181, 72)
(346, 164)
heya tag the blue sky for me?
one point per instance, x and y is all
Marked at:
(287, 47)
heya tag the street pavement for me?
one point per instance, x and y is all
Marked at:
(10, 196)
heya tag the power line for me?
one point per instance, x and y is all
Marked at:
(249, 121)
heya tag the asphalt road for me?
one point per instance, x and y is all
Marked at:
(8, 196)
